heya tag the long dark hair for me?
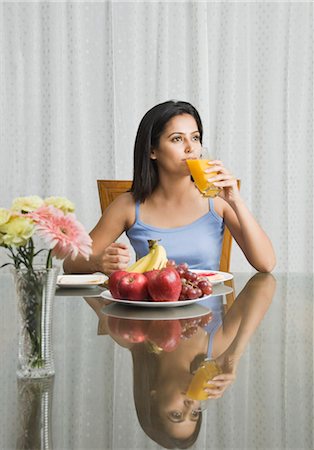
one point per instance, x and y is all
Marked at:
(145, 171)
(145, 369)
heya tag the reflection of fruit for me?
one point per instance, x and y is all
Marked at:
(190, 326)
(165, 286)
(113, 282)
(156, 258)
(133, 286)
(165, 334)
(206, 319)
(134, 331)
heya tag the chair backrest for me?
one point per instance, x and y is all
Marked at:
(110, 189)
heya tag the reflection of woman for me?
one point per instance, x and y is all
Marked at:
(164, 203)
(160, 383)
(161, 380)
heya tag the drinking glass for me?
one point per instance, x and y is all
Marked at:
(197, 168)
(207, 370)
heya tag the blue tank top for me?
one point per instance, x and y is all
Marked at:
(198, 244)
(216, 306)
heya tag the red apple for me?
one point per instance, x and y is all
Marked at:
(133, 286)
(113, 282)
(165, 333)
(165, 286)
(151, 274)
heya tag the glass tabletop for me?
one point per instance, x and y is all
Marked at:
(121, 377)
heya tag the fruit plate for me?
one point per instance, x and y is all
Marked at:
(150, 304)
(214, 276)
(222, 290)
(81, 281)
(125, 312)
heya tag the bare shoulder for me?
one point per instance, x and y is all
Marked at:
(219, 205)
(124, 200)
(122, 206)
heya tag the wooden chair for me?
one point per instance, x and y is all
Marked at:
(110, 189)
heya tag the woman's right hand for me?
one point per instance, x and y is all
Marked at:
(228, 362)
(218, 385)
(115, 257)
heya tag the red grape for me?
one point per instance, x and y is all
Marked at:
(183, 266)
(171, 263)
(181, 272)
(191, 276)
(184, 288)
(205, 287)
(193, 286)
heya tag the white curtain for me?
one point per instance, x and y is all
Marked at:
(76, 78)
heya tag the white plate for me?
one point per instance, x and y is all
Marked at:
(217, 290)
(81, 281)
(220, 276)
(149, 304)
(124, 311)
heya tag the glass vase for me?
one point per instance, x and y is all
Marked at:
(34, 418)
(35, 289)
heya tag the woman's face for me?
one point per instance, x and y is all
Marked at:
(178, 413)
(179, 141)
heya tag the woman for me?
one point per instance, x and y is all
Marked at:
(165, 204)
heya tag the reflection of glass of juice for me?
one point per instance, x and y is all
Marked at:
(206, 372)
(197, 167)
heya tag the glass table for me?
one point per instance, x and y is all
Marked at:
(121, 374)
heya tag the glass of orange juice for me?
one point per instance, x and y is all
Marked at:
(207, 370)
(197, 168)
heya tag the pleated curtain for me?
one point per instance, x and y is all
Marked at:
(76, 78)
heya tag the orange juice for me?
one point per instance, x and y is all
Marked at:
(197, 167)
(207, 371)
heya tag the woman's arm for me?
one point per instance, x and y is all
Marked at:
(107, 255)
(249, 235)
(239, 324)
(244, 316)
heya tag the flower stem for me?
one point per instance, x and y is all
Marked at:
(49, 260)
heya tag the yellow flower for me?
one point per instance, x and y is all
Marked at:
(61, 203)
(27, 204)
(16, 231)
(5, 215)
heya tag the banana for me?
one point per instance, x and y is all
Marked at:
(140, 265)
(156, 258)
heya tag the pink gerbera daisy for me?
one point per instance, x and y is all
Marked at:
(43, 213)
(64, 234)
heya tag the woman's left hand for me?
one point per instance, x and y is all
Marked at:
(224, 180)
